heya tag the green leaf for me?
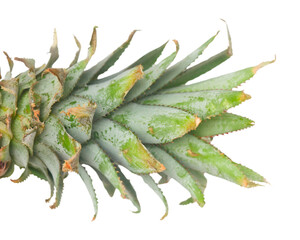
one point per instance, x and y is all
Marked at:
(51, 161)
(75, 60)
(107, 185)
(199, 155)
(176, 171)
(152, 184)
(203, 103)
(66, 147)
(109, 95)
(39, 169)
(146, 61)
(28, 78)
(164, 178)
(76, 114)
(250, 174)
(225, 82)
(75, 71)
(19, 153)
(92, 155)
(129, 190)
(53, 51)
(123, 146)
(150, 76)
(9, 96)
(224, 123)
(5, 139)
(10, 64)
(204, 66)
(50, 89)
(23, 126)
(178, 68)
(23, 176)
(103, 65)
(201, 182)
(155, 124)
(89, 185)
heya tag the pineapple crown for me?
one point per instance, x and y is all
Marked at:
(144, 118)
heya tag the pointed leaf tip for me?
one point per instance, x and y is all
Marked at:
(10, 61)
(244, 97)
(229, 49)
(30, 63)
(93, 43)
(53, 51)
(263, 64)
(177, 44)
(75, 60)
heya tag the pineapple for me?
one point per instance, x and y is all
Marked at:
(144, 118)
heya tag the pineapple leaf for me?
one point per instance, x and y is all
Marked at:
(104, 65)
(109, 95)
(203, 67)
(176, 171)
(89, 185)
(225, 82)
(250, 174)
(23, 176)
(76, 114)
(51, 161)
(75, 60)
(164, 178)
(66, 147)
(152, 184)
(50, 89)
(198, 155)
(10, 64)
(178, 68)
(75, 71)
(5, 140)
(39, 169)
(92, 155)
(28, 62)
(26, 80)
(155, 124)
(203, 103)
(124, 147)
(201, 182)
(224, 123)
(9, 95)
(53, 52)
(19, 153)
(107, 185)
(129, 190)
(150, 76)
(146, 61)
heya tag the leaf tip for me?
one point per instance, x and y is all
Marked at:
(263, 64)
(244, 97)
(177, 44)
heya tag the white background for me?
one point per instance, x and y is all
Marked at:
(259, 29)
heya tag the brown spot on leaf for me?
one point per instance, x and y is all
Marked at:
(80, 111)
(151, 130)
(192, 154)
(67, 166)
